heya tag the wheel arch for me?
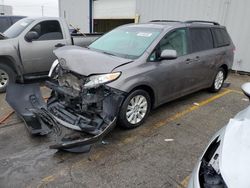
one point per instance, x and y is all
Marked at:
(149, 90)
(10, 62)
(225, 68)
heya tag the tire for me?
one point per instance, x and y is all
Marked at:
(139, 112)
(218, 81)
(7, 75)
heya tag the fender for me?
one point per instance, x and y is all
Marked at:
(9, 55)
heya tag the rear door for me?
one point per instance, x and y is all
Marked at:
(37, 56)
(202, 57)
(224, 49)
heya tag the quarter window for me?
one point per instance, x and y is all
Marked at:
(201, 39)
(221, 37)
(48, 30)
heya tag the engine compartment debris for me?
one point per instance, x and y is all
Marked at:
(77, 116)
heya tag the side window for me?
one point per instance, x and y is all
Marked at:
(4, 24)
(221, 37)
(177, 40)
(201, 39)
(48, 30)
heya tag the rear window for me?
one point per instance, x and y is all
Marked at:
(201, 39)
(221, 37)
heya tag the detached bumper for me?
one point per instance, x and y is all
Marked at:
(26, 100)
(73, 132)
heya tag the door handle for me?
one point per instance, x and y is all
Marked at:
(59, 45)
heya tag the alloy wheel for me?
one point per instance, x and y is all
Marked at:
(219, 80)
(137, 109)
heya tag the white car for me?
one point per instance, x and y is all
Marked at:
(226, 161)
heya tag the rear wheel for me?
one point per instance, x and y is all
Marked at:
(135, 109)
(7, 75)
(218, 81)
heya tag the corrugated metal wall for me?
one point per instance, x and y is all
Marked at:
(114, 9)
(75, 12)
(234, 14)
(6, 10)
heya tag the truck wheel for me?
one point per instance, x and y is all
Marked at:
(218, 81)
(7, 75)
(135, 109)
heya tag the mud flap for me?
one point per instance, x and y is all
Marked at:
(28, 103)
(25, 98)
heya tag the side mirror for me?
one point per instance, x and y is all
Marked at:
(32, 35)
(168, 54)
(246, 89)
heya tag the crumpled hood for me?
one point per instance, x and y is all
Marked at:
(235, 152)
(86, 62)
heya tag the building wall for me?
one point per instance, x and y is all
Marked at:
(114, 9)
(76, 12)
(233, 14)
(6, 10)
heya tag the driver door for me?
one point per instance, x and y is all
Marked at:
(174, 77)
(37, 56)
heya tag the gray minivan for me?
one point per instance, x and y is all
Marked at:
(122, 75)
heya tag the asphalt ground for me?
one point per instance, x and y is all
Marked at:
(161, 153)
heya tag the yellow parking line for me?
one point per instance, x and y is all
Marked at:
(191, 109)
(159, 124)
(236, 91)
(184, 183)
(46, 180)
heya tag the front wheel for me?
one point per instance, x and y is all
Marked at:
(135, 109)
(218, 81)
(7, 75)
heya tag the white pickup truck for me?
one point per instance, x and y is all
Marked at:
(26, 48)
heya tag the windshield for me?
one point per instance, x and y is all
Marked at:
(126, 42)
(18, 28)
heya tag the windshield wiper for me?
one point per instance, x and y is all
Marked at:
(104, 52)
(108, 53)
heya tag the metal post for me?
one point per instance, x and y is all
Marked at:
(90, 16)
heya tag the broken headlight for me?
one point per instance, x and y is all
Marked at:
(97, 80)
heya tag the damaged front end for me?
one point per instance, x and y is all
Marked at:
(80, 111)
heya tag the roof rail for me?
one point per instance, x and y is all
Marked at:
(201, 21)
(164, 21)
